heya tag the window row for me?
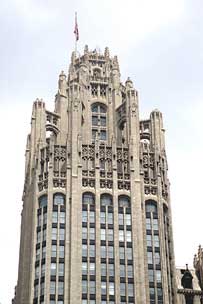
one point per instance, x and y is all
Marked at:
(107, 252)
(58, 200)
(53, 286)
(88, 198)
(90, 287)
(154, 275)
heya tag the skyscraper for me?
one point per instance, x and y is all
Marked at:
(96, 219)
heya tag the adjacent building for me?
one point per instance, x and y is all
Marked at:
(188, 286)
(96, 220)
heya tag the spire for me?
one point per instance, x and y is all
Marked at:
(106, 52)
(115, 63)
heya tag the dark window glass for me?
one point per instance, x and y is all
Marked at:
(59, 199)
(43, 201)
(102, 134)
(106, 200)
(88, 198)
(151, 206)
(123, 201)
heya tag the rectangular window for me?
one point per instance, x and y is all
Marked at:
(128, 236)
(84, 250)
(37, 272)
(129, 253)
(61, 252)
(103, 234)
(102, 134)
(128, 219)
(92, 288)
(38, 236)
(157, 258)
(61, 269)
(60, 288)
(92, 217)
(103, 288)
(149, 240)
(92, 250)
(92, 269)
(44, 252)
(122, 289)
(94, 120)
(122, 253)
(36, 288)
(120, 219)
(62, 234)
(159, 292)
(155, 224)
(84, 233)
(84, 268)
(121, 235)
(62, 217)
(54, 234)
(110, 218)
(156, 241)
(84, 216)
(52, 287)
(103, 251)
(122, 270)
(44, 234)
(149, 258)
(130, 290)
(110, 234)
(152, 292)
(130, 271)
(39, 218)
(103, 121)
(53, 269)
(38, 254)
(151, 275)
(43, 268)
(102, 217)
(103, 269)
(111, 270)
(44, 218)
(84, 286)
(53, 251)
(110, 252)
(111, 288)
(158, 276)
(42, 286)
(148, 223)
(92, 233)
(55, 217)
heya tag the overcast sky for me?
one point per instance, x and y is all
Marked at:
(159, 45)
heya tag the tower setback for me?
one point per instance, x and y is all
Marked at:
(96, 221)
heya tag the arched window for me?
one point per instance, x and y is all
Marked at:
(106, 200)
(99, 121)
(59, 199)
(43, 201)
(124, 201)
(88, 198)
(151, 206)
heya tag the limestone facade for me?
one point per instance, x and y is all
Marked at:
(96, 219)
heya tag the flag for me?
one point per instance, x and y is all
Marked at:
(76, 31)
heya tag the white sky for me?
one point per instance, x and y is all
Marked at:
(159, 45)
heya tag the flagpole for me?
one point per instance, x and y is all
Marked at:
(76, 32)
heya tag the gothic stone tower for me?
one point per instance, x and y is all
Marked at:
(96, 220)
